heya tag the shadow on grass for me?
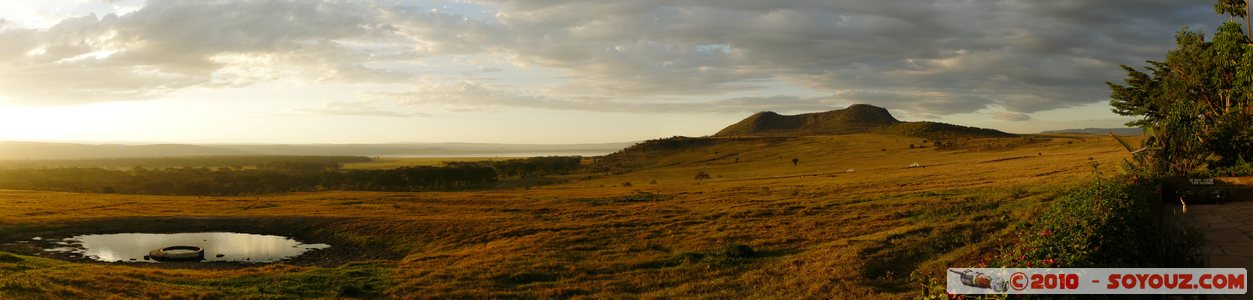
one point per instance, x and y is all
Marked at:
(734, 255)
(886, 266)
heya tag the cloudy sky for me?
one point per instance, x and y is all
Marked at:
(556, 71)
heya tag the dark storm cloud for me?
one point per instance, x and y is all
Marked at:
(478, 95)
(940, 56)
(927, 57)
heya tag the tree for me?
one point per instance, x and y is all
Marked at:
(1195, 106)
(795, 161)
(1235, 9)
(701, 176)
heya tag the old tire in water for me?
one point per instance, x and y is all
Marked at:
(177, 253)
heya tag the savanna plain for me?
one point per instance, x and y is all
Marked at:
(830, 216)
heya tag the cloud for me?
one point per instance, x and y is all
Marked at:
(354, 108)
(925, 57)
(959, 56)
(477, 95)
(1009, 116)
(169, 45)
(913, 101)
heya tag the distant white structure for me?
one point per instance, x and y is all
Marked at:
(915, 165)
(848, 171)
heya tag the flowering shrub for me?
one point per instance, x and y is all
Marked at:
(1106, 223)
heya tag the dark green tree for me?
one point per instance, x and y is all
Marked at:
(1195, 106)
(1234, 9)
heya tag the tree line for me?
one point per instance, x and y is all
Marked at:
(288, 175)
(227, 161)
(529, 167)
(266, 179)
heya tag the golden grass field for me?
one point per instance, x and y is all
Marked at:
(816, 230)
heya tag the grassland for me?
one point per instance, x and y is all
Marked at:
(759, 227)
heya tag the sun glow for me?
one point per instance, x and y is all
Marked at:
(66, 123)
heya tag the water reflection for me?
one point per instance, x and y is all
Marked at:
(218, 246)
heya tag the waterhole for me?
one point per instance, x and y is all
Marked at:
(217, 246)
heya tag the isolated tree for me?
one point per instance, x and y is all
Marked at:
(701, 176)
(795, 161)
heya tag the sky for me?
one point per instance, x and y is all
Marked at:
(557, 71)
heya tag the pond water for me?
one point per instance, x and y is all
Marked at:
(218, 246)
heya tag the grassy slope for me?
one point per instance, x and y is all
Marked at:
(817, 229)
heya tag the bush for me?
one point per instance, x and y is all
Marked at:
(9, 258)
(1107, 223)
(702, 176)
(733, 255)
(737, 252)
(1018, 192)
(1239, 168)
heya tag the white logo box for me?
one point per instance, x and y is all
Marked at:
(1097, 281)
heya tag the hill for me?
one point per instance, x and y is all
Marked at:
(766, 129)
(854, 119)
(857, 118)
